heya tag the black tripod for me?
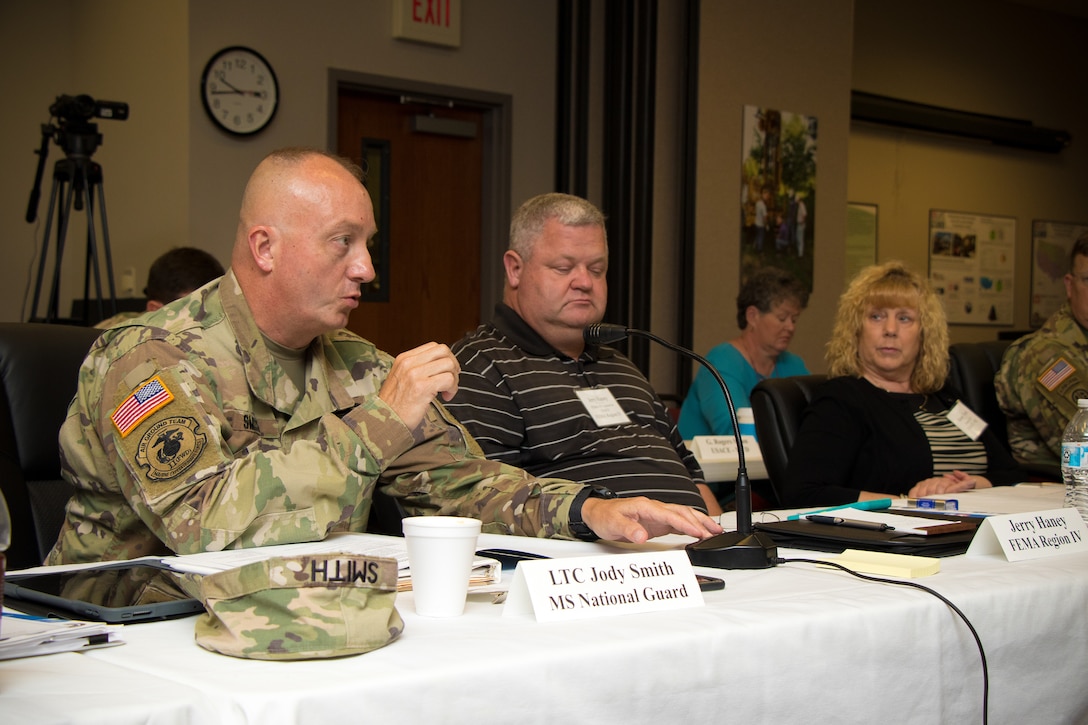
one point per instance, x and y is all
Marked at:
(75, 179)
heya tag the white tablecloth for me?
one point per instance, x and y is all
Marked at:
(796, 643)
(74, 688)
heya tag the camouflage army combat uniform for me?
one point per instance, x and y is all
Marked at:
(1042, 376)
(117, 319)
(185, 435)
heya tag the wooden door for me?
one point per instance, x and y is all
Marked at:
(431, 182)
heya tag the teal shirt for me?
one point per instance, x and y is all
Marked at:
(705, 411)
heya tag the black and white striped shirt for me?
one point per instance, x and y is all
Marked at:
(952, 449)
(516, 396)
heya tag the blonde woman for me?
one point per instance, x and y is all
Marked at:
(880, 425)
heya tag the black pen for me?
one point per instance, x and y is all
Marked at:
(852, 523)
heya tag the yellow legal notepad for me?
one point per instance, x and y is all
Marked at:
(885, 564)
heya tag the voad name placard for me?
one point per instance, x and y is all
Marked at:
(600, 586)
(723, 448)
(1031, 535)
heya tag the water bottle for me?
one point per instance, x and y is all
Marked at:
(1075, 460)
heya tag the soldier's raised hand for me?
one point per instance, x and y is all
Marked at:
(417, 377)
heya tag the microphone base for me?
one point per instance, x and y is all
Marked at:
(734, 550)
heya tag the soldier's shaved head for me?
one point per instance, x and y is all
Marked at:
(277, 178)
(300, 252)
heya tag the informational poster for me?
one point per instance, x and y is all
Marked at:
(1051, 245)
(860, 237)
(972, 266)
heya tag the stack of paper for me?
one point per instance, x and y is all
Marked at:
(485, 571)
(25, 635)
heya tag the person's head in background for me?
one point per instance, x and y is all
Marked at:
(178, 272)
(556, 267)
(768, 306)
(1076, 281)
(890, 328)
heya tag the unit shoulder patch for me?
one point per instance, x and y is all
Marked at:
(170, 447)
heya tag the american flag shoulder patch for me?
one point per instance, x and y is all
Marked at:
(144, 401)
(1053, 376)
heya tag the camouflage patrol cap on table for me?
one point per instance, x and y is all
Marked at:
(300, 607)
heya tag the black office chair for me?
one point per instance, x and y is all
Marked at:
(973, 367)
(386, 513)
(777, 405)
(39, 367)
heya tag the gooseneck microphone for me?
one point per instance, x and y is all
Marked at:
(740, 549)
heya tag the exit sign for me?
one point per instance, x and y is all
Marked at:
(428, 21)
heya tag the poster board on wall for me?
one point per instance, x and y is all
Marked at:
(778, 192)
(1051, 245)
(972, 266)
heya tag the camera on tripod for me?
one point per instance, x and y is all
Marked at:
(73, 132)
(76, 178)
(81, 108)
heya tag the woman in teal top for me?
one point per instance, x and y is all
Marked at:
(769, 303)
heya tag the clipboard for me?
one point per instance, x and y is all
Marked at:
(809, 535)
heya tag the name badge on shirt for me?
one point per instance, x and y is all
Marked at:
(967, 420)
(602, 407)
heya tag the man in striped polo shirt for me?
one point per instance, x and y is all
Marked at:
(535, 396)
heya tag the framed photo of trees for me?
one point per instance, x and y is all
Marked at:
(778, 192)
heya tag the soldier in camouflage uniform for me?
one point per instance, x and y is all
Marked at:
(243, 415)
(1043, 374)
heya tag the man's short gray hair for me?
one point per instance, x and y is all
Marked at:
(530, 218)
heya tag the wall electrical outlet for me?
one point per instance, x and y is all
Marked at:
(128, 282)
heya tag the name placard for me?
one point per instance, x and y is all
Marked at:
(723, 448)
(600, 586)
(1031, 535)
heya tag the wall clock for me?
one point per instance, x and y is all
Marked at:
(239, 90)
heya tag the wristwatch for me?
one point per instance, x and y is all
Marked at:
(577, 526)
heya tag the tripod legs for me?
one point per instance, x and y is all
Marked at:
(74, 182)
(92, 255)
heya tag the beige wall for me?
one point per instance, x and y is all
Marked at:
(793, 56)
(32, 35)
(116, 50)
(505, 48)
(988, 57)
(173, 178)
